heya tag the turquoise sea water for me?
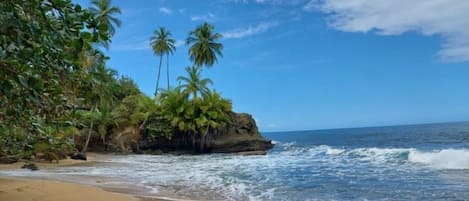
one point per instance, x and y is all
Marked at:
(419, 162)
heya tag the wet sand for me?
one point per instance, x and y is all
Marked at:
(20, 189)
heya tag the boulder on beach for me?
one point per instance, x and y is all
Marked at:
(30, 166)
(78, 156)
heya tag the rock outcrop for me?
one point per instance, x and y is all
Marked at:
(240, 135)
(125, 139)
(96, 143)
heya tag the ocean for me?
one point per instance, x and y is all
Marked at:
(415, 162)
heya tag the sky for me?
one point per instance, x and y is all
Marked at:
(314, 64)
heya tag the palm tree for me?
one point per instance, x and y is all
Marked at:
(213, 114)
(193, 84)
(181, 113)
(99, 93)
(103, 12)
(162, 43)
(204, 48)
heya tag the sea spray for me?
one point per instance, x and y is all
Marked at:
(442, 159)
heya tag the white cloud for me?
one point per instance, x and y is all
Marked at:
(251, 30)
(131, 45)
(179, 43)
(208, 17)
(446, 18)
(166, 10)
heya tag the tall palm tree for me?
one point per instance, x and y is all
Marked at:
(100, 93)
(194, 84)
(204, 48)
(104, 12)
(162, 43)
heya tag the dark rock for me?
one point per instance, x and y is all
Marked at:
(8, 160)
(251, 153)
(31, 166)
(125, 140)
(240, 135)
(78, 156)
(153, 152)
(242, 146)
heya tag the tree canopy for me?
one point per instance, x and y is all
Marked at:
(204, 48)
(55, 84)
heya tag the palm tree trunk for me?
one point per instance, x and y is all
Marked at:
(90, 131)
(193, 142)
(204, 139)
(167, 69)
(201, 145)
(158, 79)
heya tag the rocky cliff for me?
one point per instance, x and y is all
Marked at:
(241, 134)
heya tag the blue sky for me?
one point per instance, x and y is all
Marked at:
(313, 64)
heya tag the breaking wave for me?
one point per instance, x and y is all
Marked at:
(451, 159)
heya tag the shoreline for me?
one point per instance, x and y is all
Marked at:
(42, 189)
(20, 189)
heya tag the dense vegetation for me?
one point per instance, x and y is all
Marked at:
(55, 85)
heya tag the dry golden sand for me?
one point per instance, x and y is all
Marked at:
(42, 190)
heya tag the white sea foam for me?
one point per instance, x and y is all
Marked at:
(443, 159)
(232, 177)
(334, 151)
(275, 142)
(440, 159)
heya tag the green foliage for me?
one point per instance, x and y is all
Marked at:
(104, 20)
(158, 126)
(195, 116)
(125, 87)
(54, 80)
(162, 42)
(133, 110)
(204, 48)
(193, 84)
(47, 56)
(15, 141)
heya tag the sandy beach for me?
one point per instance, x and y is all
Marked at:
(42, 190)
(46, 164)
(20, 189)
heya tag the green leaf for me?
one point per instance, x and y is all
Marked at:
(22, 81)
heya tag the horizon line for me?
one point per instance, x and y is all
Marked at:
(361, 127)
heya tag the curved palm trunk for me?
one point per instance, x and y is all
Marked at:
(158, 79)
(90, 131)
(167, 69)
